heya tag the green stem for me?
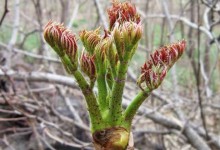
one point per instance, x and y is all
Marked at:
(102, 91)
(112, 60)
(135, 104)
(93, 107)
(109, 79)
(69, 66)
(117, 92)
(118, 86)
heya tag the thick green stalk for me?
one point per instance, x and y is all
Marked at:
(102, 91)
(118, 85)
(69, 66)
(109, 79)
(135, 104)
(117, 91)
(93, 107)
(112, 60)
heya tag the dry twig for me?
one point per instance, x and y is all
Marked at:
(5, 12)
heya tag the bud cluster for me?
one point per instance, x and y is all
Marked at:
(126, 36)
(154, 70)
(90, 39)
(87, 65)
(61, 40)
(102, 48)
(122, 12)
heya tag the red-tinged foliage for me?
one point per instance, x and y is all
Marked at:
(58, 36)
(154, 70)
(122, 12)
(90, 39)
(87, 65)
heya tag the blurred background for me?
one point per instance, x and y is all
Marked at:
(41, 107)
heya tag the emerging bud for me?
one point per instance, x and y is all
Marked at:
(61, 40)
(122, 12)
(110, 51)
(90, 39)
(102, 48)
(131, 33)
(119, 43)
(112, 56)
(154, 71)
(126, 36)
(87, 65)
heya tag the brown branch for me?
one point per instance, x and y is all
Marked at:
(6, 142)
(7, 112)
(12, 119)
(5, 12)
(40, 77)
(211, 4)
(32, 123)
(14, 130)
(198, 81)
(101, 13)
(30, 54)
(58, 139)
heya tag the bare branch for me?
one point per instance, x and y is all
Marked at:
(74, 14)
(47, 132)
(24, 52)
(183, 19)
(14, 34)
(40, 77)
(198, 73)
(101, 13)
(5, 12)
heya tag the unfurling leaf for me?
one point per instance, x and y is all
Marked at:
(155, 69)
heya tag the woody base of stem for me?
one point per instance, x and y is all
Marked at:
(113, 138)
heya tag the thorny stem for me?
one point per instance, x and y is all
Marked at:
(93, 107)
(102, 92)
(112, 60)
(117, 92)
(131, 110)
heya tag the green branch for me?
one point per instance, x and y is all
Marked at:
(93, 107)
(134, 106)
(102, 90)
(112, 60)
(117, 91)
